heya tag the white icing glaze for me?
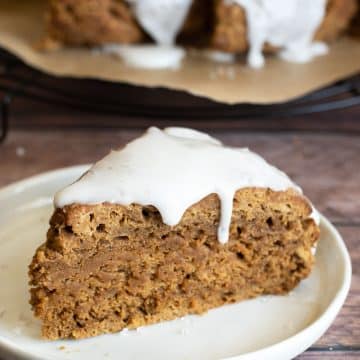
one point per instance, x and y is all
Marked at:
(287, 24)
(161, 19)
(147, 56)
(173, 169)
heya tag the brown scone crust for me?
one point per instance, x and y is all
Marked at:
(107, 267)
(355, 25)
(91, 22)
(230, 29)
(339, 14)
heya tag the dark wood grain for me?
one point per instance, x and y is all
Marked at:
(327, 166)
(330, 355)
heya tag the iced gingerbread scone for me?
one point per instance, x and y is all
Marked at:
(295, 30)
(174, 223)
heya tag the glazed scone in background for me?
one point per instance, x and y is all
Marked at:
(109, 266)
(217, 23)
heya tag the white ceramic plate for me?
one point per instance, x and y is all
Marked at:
(271, 327)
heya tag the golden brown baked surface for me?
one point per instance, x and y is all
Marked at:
(211, 23)
(92, 22)
(106, 267)
(339, 14)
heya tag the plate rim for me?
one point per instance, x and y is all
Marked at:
(318, 326)
(326, 318)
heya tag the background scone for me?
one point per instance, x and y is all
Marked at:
(109, 266)
(231, 28)
(218, 24)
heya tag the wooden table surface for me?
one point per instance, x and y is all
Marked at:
(326, 165)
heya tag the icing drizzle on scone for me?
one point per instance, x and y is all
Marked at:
(173, 169)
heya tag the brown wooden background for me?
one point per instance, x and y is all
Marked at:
(320, 152)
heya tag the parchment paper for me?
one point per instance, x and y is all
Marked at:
(22, 25)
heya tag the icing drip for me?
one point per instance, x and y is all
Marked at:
(287, 24)
(161, 19)
(173, 169)
(147, 56)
